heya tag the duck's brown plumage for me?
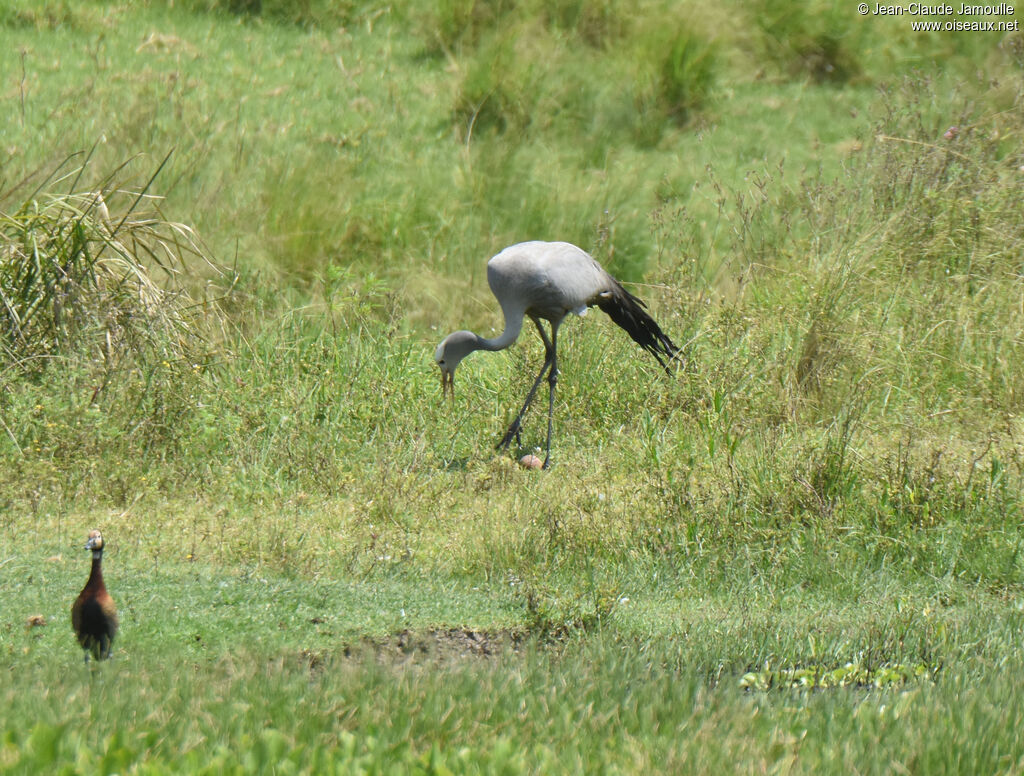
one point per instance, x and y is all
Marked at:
(93, 615)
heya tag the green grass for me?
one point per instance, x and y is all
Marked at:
(305, 680)
(800, 553)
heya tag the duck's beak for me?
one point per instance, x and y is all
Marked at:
(447, 383)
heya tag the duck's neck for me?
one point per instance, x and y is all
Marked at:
(96, 575)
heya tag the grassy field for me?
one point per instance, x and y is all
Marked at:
(231, 236)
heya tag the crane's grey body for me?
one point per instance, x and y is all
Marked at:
(548, 281)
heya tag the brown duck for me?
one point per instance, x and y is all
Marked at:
(93, 615)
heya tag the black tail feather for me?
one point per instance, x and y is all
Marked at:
(628, 312)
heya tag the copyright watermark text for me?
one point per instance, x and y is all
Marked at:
(967, 16)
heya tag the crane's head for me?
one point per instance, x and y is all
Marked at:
(95, 541)
(449, 353)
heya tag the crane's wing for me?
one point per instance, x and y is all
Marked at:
(628, 312)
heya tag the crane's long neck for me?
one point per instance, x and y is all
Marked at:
(513, 325)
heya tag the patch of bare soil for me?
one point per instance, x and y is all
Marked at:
(433, 647)
(441, 645)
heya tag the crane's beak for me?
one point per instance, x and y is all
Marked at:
(447, 383)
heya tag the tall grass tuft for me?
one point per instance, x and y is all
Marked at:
(301, 13)
(76, 274)
(816, 40)
(687, 75)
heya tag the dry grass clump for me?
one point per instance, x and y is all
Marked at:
(99, 269)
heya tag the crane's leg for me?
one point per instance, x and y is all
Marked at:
(549, 359)
(552, 382)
